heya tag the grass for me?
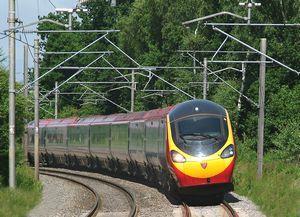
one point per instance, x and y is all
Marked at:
(277, 193)
(18, 202)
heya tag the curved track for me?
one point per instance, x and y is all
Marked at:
(130, 197)
(186, 211)
(230, 211)
(95, 207)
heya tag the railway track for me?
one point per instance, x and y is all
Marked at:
(130, 197)
(229, 210)
(95, 206)
(186, 211)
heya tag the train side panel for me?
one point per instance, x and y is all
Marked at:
(78, 139)
(162, 145)
(120, 141)
(55, 139)
(137, 140)
(100, 137)
(152, 142)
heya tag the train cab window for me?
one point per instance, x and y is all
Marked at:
(200, 135)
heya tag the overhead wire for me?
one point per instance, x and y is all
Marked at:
(52, 4)
(38, 7)
(31, 54)
(9, 35)
(18, 8)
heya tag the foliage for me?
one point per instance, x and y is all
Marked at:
(2, 57)
(287, 141)
(152, 32)
(18, 202)
(280, 182)
(21, 115)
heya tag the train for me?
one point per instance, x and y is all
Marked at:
(188, 147)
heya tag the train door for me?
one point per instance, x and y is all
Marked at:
(152, 138)
(137, 140)
(78, 139)
(162, 142)
(119, 141)
(100, 140)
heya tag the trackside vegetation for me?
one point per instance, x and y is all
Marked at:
(278, 193)
(18, 202)
(152, 33)
(15, 203)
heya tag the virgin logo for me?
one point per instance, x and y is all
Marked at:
(203, 165)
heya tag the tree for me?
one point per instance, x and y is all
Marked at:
(152, 32)
(20, 117)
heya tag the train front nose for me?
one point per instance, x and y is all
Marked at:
(205, 172)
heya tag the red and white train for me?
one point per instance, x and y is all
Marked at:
(189, 146)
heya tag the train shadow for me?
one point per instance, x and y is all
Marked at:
(173, 197)
(230, 198)
(209, 200)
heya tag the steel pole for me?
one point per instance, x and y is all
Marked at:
(205, 79)
(132, 91)
(194, 63)
(242, 87)
(25, 71)
(56, 99)
(12, 69)
(36, 110)
(70, 21)
(261, 120)
(249, 15)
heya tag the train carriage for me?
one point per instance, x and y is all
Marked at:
(188, 146)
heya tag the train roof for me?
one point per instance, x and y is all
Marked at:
(194, 107)
(104, 119)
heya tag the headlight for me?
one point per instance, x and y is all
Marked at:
(177, 158)
(228, 152)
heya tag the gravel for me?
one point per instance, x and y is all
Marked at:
(113, 201)
(243, 206)
(62, 198)
(150, 201)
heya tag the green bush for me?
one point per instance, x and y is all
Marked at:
(25, 179)
(21, 104)
(18, 202)
(287, 141)
(277, 193)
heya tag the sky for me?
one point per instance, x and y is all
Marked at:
(27, 11)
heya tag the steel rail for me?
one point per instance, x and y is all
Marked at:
(96, 205)
(38, 22)
(255, 50)
(229, 85)
(61, 63)
(213, 51)
(214, 15)
(70, 78)
(229, 210)
(147, 68)
(186, 210)
(130, 197)
(255, 24)
(67, 31)
(73, 52)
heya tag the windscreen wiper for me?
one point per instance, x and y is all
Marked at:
(199, 134)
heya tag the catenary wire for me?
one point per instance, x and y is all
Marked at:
(52, 4)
